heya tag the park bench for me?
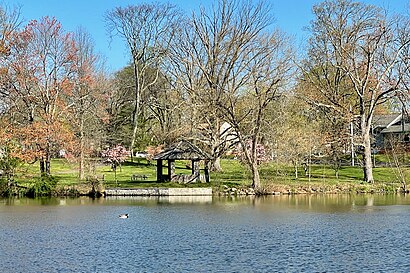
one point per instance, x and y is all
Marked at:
(136, 177)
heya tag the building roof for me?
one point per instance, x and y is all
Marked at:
(385, 121)
(396, 129)
(182, 150)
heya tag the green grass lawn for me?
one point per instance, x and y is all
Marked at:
(234, 174)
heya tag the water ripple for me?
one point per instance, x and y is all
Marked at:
(211, 237)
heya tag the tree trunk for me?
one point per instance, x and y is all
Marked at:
(351, 142)
(136, 109)
(216, 165)
(81, 165)
(115, 176)
(216, 145)
(42, 166)
(48, 166)
(82, 144)
(256, 181)
(133, 137)
(367, 158)
(295, 165)
(48, 161)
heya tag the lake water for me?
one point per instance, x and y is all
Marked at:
(324, 233)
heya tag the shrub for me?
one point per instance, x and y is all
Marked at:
(43, 186)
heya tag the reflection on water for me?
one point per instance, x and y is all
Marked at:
(321, 203)
(161, 199)
(304, 233)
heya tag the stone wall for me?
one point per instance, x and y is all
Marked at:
(159, 192)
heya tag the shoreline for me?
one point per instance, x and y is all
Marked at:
(269, 189)
(290, 188)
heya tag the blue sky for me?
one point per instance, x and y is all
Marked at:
(290, 15)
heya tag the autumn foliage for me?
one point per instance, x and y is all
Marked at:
(41, 76)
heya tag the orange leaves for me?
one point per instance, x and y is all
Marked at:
(51, 81)
(67, 85)
(4, 50)
(40, 68)
(9, 141)
(36, 139)
(3, 71)
(5, 135)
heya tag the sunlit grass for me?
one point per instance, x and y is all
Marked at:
(234, 174)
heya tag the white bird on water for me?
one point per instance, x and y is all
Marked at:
(123, 216)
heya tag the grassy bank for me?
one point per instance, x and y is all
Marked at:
(275, 178)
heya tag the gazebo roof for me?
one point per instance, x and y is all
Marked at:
(182, 150)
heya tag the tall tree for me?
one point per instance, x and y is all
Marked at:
(86, 101)
(165, 111)
(148, 30)
(403, 64)
(268, 68)
(39, 67)
(294, 133)
(358, 42)
(160, 110)
(9, 24)
(335, 122)
(119, 108)
(211, 57)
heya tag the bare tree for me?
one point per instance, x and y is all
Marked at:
(86, 101)
(212, 57)
(295, 133)
(403, 64)
(397, 154)
(165, 107)
(265, 76)
(148, 30)
(356, 43)
(9, 24)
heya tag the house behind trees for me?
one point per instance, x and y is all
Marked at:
(390, 127)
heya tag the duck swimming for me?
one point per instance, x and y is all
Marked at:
(123, 216)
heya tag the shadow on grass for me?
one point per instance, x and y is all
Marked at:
(137, 164)
(142, 182)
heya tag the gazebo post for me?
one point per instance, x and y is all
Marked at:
(171, 169)
(159, 171)
(206, 170)
(195, 169)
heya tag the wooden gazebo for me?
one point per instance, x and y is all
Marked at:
(182, 150)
